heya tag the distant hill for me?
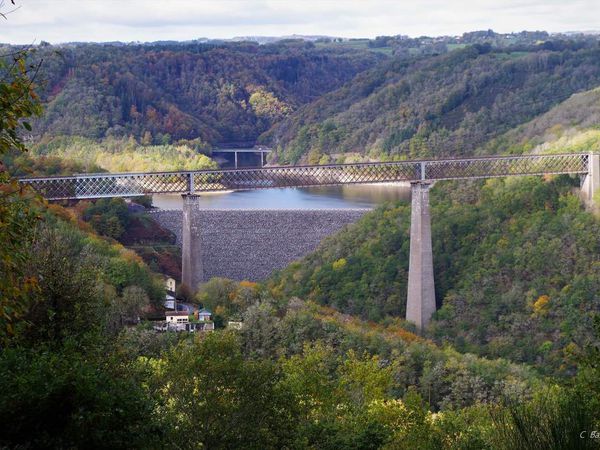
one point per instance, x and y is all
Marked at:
(389, 97)
(213, 91)
(272, 39)
(573, 125)
(450, 104)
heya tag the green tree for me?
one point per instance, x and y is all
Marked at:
(18, 101)
(72, 300)
(127, 308)
(219, 400)
(66, 399)
(265, 104)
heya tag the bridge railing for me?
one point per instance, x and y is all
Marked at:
(135, 184)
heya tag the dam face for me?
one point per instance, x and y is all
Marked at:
(251, 244)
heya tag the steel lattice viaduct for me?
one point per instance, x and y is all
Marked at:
(421, 174)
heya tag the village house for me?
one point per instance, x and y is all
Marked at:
(175, 318)
(182, 321)
(170, 287)
(204, 315)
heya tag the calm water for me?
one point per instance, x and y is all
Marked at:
(322, 197)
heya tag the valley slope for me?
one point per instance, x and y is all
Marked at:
(215, 92)
(446, 105)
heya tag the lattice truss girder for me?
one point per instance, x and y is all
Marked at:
(126, 185)
(304, 176)
(506, 166)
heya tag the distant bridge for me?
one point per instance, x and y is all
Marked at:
(260, 152)
(421, 174)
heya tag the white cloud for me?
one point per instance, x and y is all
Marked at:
(148, 20)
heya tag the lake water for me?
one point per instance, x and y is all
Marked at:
(321, 197)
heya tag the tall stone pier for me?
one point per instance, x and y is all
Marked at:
(420, 304)
(191, 260)
(591, 182)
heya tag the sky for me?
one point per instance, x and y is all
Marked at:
(151, 20)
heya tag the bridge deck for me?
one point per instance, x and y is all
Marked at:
(87, 186)
(241, 150)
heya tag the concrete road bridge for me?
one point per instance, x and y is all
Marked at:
(420, 173)
(261, 153)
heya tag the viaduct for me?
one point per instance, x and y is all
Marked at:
(421, 174)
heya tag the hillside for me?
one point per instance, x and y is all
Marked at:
(446, 105)
(215, 92)
(571, 126)
(516, 264)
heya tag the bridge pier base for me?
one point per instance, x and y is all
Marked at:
(591, 182)
(191, 256)
(420, 304)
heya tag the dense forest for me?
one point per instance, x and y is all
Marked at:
(159, 93)
(446, 105)
(571, 126)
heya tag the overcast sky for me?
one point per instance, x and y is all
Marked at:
(150, 20)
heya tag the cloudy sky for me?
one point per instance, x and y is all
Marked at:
(149, 20)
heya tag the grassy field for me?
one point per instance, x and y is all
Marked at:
(357, 44)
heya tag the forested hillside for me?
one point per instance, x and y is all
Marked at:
(158, 93)
(571, 126)
(517, 269)
(450, 104)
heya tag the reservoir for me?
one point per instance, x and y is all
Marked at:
(321, 197)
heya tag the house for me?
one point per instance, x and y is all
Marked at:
(204, 315)
(177, 320)
(180, 321)
(177, 317)
(169, 302)
(170, 285)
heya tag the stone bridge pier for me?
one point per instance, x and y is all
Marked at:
(192, 269)
(591, 182)
(420, 302)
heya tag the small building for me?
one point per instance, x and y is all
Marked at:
(200, 326)
(170, 295)
(204, 315)
(173, 317)
(180, 321)
(170, 285)
(235, 324)
(169, 302)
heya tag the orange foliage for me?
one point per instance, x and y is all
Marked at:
(405, 335)
(62, 213)
(129, 255)
(541, 305)
(249, 284)
(353, 324)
